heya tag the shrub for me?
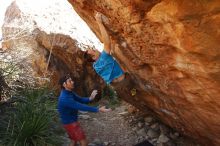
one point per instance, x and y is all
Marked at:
(30, 122)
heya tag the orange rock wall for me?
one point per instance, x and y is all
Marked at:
(171, 49)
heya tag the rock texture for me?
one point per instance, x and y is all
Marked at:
(49, 55)
(65, 58)
(171, 49)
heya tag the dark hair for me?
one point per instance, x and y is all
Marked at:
(63, 80)
(88, 57)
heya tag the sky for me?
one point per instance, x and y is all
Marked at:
(56, 16)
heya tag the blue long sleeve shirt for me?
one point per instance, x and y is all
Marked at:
(68, 105)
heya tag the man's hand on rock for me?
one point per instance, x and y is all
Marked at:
(98, 17)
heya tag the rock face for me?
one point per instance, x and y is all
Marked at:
(49, 55)
(171, 49)
(65, 58)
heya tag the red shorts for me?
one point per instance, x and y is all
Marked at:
(74, 131)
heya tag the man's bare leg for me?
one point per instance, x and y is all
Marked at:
(73, 143)
(119, 79)
(83, 142)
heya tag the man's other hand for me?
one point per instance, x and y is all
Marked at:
(103, 109)
(93, 94)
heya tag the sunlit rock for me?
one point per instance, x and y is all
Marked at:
(171, 49)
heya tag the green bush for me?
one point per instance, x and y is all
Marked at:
(31, 121)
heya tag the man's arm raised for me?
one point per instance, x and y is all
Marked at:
(104, 33)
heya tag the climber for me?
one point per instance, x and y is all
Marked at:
(104, 64)
(68, 105)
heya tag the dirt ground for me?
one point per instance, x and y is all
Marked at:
(124, 127)
(108, 128)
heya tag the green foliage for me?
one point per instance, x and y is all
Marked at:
(31, 121)
(110, 94)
